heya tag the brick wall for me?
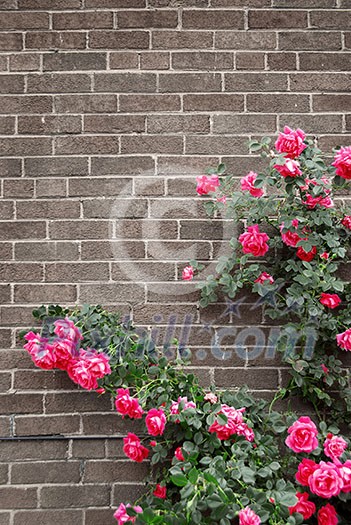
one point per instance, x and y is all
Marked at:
(109, 109)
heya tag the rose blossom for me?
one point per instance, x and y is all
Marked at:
(206, 184)
(254, 242)
(303, 506)
(302, 435)
(327, 515)
(211, 397)
(326, 481)
(234, 424)
(155, 421)
(183, 401)
(160, 492)
(179, 454)
(324, 255)
(334, 446)
(290, 238)
(127, 405)
(122, 516)
(41, 352)
(248, 517)
(65, 350)
(344, 339)
(342, 163)
(66, 329)
(291, 142)
(345, 474)
(248, 184)
(306, 256)
(325, 369)
(312, 202)
(264, 277)
(133, 449)
(187, 273)
(305, 470)
(331, 300)
(347, 222)
(291, 168)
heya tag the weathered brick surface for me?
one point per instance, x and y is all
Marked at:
(109, 109)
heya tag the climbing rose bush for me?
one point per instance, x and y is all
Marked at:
(292, 254)
(217, 458)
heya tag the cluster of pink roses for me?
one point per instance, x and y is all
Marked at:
(84, 367)
(122, 516)
(234, 425)
(325, 479)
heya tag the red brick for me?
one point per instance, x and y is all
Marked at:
(245, 40)
(147, 19)
(189, 82)
(155, 60)
(97, 145)
(67, 209)
(309, 40)
(45, 293)
(24, 21)
(114, 123)
(275, 19)
(331, 103)
(58, 83)
(26, 104)
(336, 19)
(325, 62)
(49, 124)
(214, 103)
(14, 147)
(278, 103)
(122, 166)
(11, 41)
(255, 82)
(43, 517)
(181, 40)
(76, 272)
(11, 84)
(125, 82)
(18, 498)
(24, 62)
(149, 103)
(124, 60)
(151, 144)
(83, 20)
(118, 40)
(55, 40)
(49, 4)
(74, 61)
(178, 124)
(202, 61)
(56, 166)
(40, 426)
(86, 103)
(75, 496)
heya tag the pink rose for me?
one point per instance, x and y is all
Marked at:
(325, 369)
(179, 454)
(327, 515)
(312, 202)
(248, 184)
(302, 435)
(234, 424)
(211, 397)
(334, 446)
(185, 404)
(79, 372)
(345, 474)
(222, 199)
(160, 492)
(248, 517)
(41, 352)
(264, 277)
(188, 273)
(303, 506)
(155, 421)
(291, 168)
(331, 300)
(291, 142)
(66, 329)
(254, 242)
(306, 256)
(347, 222)
(244, 430)
(207, 184)
(324, 255)
(133, 449)
(342, 163)
(344, 339)
(290, 238)
(326, 481)
(127, 405)
(65, 350)
(305, 470)
(122, 516)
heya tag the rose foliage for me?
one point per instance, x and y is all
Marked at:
(291, 234)
(216, 457)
